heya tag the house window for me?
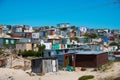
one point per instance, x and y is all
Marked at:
(7, 41)
(12, 41)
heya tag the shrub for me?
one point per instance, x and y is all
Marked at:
(86, 77)
(41, 49)
(113, 44)
(63, 29)
(105, 66)
(60, 67)
(74, 38)
(28, 53)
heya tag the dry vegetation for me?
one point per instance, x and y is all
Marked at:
(15, 66)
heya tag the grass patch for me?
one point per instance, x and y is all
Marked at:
(60, 67)
(116, 61)
(86, 77)
(105, 66)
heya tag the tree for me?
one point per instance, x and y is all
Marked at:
(41, 49)
(63, 29)
(74, 38)
(112, 32)
(46, 27)
(86, 35)
(52, 27)
(92, 35)
(73, 27)
(28, 53)
(37, 30)
(113, 44)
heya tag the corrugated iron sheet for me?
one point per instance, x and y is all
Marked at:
(44, 65)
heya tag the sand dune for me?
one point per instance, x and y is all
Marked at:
(12, 74)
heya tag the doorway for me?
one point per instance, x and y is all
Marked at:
(69, 60)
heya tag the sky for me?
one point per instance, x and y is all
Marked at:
(82, 13)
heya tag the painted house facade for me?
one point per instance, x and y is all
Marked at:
(9, 41)
(27, 46)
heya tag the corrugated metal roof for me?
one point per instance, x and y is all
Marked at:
(85, 52)
(90, 52)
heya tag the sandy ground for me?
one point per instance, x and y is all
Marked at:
(19, 73)
(64, 75)
(12, 74)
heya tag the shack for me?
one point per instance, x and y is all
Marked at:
(44, 65)
(85, 59)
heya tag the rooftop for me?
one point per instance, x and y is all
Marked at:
(86, 52)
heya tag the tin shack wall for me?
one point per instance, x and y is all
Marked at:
(102, 59)
(84, 60)
(44, 65)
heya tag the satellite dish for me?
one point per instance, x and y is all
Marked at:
(83, 29)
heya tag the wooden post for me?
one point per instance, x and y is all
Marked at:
(64, 61)
(11, 61)
(24, 65)
(73, 61)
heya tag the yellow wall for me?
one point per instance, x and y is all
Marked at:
(25, 46)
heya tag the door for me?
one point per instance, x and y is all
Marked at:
(54, 65)
(69, 60)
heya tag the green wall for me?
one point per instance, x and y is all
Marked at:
(56, 46)
(9, 41)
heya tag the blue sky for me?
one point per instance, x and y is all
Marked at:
(88, 13)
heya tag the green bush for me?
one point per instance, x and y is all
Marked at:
(41, 49)
(28, 53)
(63, 29)
(60, 67)
(31, 53)
(113, 44)
(86, 77)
